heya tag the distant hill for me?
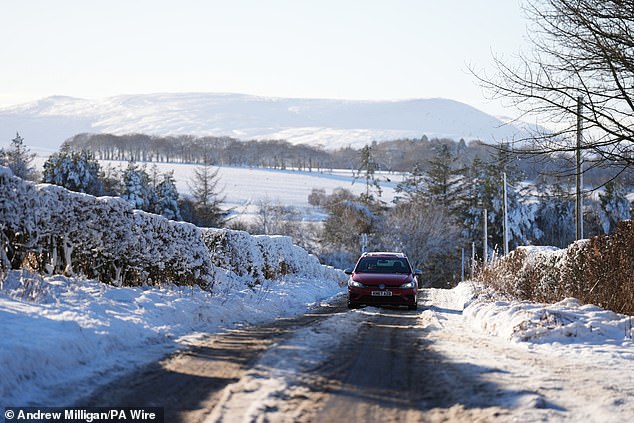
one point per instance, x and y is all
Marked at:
(46, 123)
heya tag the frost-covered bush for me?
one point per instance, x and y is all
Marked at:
(505, 276)
(21, 218)
(598, 271)
(235, 251)
(167, 198)
(76, 170)
(282, 257)
(279, 255)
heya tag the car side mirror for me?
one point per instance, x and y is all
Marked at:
(418, 272)
(348, 271)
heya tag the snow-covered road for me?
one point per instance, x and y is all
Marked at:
(380, 364)
(259, 356)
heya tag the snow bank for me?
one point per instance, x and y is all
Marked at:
(62, 336)
(565, 322)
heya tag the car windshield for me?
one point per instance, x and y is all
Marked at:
(382, 265)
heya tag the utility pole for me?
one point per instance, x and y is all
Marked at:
(485, 241)
(579, 174)
(473, 262)
(506, 218)
(363, 241)
(462, 266)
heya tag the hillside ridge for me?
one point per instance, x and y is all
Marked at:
(330, 123)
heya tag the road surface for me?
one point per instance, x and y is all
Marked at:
(372, 364)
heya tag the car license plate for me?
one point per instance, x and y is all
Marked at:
(381, 293)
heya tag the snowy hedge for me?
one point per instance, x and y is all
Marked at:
(50, 229)
(261, 257)
(599, 271)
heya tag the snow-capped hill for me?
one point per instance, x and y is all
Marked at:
(46, 123)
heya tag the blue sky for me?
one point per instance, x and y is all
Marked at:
(350, 49)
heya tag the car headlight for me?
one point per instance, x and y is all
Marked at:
(409, 285)
(354, 283)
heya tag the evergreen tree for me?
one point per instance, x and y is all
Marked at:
(167, 198)
(444, 180)
(76, 171)
(556, 217)
(485, 190)
(206, 196)
(521, 215)
(614, 205)
(18, 158)
(137, 188)
(154, 176)
(471, 212)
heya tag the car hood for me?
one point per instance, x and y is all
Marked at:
(375, 279)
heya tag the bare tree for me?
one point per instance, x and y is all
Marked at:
(427, 234)
(367, 168)
(582, 50)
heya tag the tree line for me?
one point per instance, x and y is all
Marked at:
(401, 155)
(221, 151)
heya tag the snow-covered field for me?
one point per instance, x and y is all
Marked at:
(245, 189)
(243, 186)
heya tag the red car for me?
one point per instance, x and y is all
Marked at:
(382, 279)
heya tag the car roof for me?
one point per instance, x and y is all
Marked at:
(383, 254)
